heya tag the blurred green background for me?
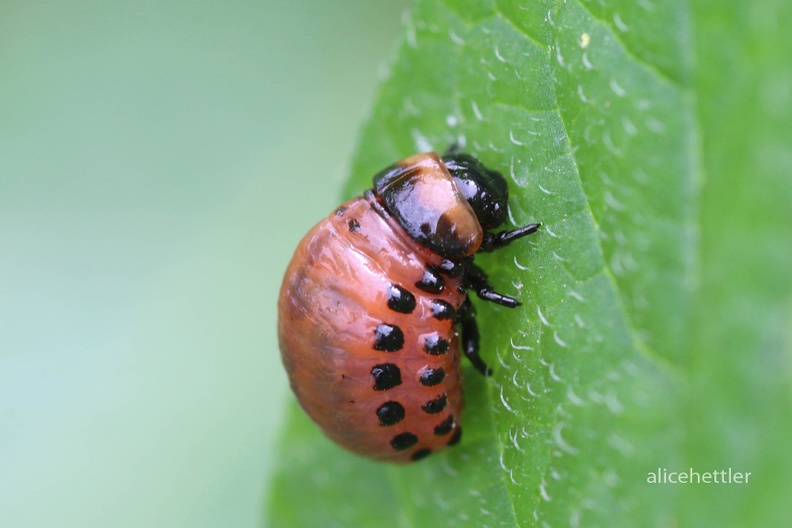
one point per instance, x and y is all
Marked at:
(158, 163)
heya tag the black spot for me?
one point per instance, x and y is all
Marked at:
(455, 267)
(340, 211)
(446, 230)
(450, 268)
(400, 300)
(444, 427)
(435, 345)
(442, 310)
(403, 441)
(390, 413)
(386, 376)
(421, 453)
(354, 226)
(388, 338)
(435, 406)
(432, 377)
(431, 282)
(454, 440)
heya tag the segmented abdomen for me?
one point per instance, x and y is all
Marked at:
(367, 336)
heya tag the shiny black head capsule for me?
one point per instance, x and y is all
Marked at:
(485, 189)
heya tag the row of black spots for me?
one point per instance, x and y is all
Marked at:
(390, 338)
(406, 440)
(392, 412)
(388, 375)
(433, 282)
(401, 300)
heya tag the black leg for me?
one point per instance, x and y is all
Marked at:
(476, 280)
(504, 238)
(470, 337)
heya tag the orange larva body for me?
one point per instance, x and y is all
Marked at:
(370, 300)
(334, 298)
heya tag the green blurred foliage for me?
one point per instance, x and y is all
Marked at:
(653, 141)
(154, 162)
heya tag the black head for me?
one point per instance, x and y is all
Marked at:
(485, 190)
(423, 197)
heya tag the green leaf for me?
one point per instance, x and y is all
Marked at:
(654, 331)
